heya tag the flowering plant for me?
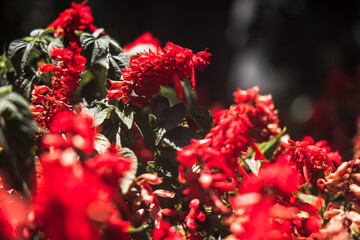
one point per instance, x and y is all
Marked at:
(103, 142)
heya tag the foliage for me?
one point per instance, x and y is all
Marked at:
(97, 142)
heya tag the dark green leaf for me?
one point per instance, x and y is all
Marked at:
(111, 130)
(114, 47)
(173, 116)
(268, 148)
(16, 53)
(170, 94)
(146, 131)
(17, 134)
(23, 84)
(189, 95)
(170, 119)
(180, 137)
(116, 64)
(130, 175)
(93, 48)
(97, 33)
(162, 106)
(203, 118)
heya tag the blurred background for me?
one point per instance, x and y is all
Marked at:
(303, 52)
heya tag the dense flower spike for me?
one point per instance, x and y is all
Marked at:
(49, 101)
(231, 134)
(310, 158)
(261, 113)
(63, 217)
(76, 18)
(67, 170)
(110, 166)
(146, 73)
(265, 198)
(197, 162)
(13, 213)
(211, 166)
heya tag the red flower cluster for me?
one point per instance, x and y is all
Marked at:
(13, 213)
(164, 231)
(67, 169)
(223, 145)
(47, 102)
(310, 158)
(146, 73)
(231, 134)
(270, 199)
(261, 112)
(78, 17)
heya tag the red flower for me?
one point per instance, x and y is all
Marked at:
(164, 231)
(13, 214)
(274, 179)
(309, 158)
(144, 43)
(47, 102)
(146, 73)
(78, 17)
(231, 134)
(194, 215)
(262, 209)
(197, 164)
(71, 203)
(261, 113)
(110, 166)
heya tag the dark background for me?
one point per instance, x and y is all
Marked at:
(301, 51)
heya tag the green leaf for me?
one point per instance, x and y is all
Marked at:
(111, 130)
(97, 33)
(116, 64)
(189, 95)
(130, 175)
(126, 118)
(17, 134)
(203, 118)
(101, 116)
(24, 82)
(16, 53)
(170, 94)
(268, 148)
(169, 119)
(180, 137)
(93, 48)
(101, 143)
(162, 106)
(54, 43)
(5, 89)
(143, 125)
